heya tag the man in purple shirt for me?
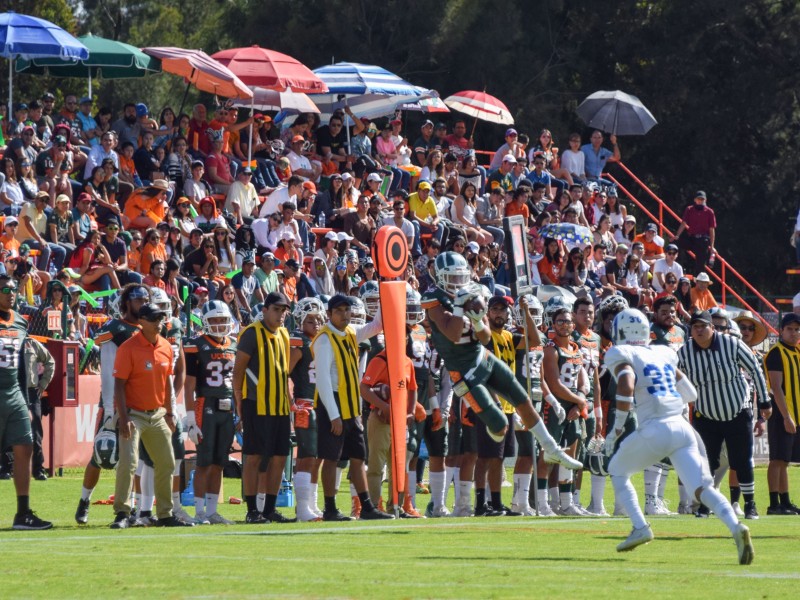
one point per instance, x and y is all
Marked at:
(700, 225)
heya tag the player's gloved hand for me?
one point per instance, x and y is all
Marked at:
(192, 429)
(110, 422)
(559, 411)
(611, 442)
(463, 296)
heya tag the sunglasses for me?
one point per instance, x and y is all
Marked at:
(136, 239)
(8, 290)
(672, 252)
(112, 228)
(747, 327)
(12, 225)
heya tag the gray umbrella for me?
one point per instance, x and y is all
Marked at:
(616, 112)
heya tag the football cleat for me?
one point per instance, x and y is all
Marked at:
(637, 537)
(336, 515)
(182, 514)
(685, 508)
(28, 521)
(523, 509)
(201, 519)
(486, 510)
(374, 515)
(218, 519)
(276, 517)
(584, 511)
(508, 511)
(562, 458)
(254, 517)
(462, 511)
(545, 510)
(173, 521)
(597, 512)
(737, 510)
(744, 544)
(653, 507)
(120, 521)
(82, 514)
(571, 511)
(305, 515)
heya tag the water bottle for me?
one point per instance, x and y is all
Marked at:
(321, 219)
(712, 259)
(187, 495)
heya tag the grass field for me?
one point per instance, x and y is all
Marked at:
(443, 558)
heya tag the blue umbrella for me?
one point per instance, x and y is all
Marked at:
(568, 232)
(23, 36)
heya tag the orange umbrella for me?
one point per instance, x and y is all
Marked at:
(200, 70)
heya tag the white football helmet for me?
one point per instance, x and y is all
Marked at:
(358, 314)
(414, 312)
(555, 303)
(630, 327)
(305, 307)
(452, 272)
(370, 294)
(216, 309)
(160, 298)
(535, 309)
(612, 305)
(257, 312)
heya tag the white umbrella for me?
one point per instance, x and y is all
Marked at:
(271, 100)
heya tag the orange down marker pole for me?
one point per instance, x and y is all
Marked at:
(390, 252)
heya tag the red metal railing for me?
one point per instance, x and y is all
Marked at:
(726, 270)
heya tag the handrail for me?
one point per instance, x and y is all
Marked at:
(725, 266)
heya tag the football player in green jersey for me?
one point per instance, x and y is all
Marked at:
(124, 310)
(15, 420)
(459, 331)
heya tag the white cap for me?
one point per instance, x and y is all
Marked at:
(343, 237)
(509, 158)
(374, 177)
(287, 235)
(331, 235)
(346, 176)
(473, 247)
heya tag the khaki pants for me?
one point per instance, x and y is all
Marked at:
(157, 439)
(379, 440)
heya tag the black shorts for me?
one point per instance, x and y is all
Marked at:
(454, 429)
(305, 430)
(435, 441)
(782, 445)
(264, 435)
(525, 444)
(350, 443)
(488, 448)
(218, 431)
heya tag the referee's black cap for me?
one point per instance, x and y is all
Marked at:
(701, 317)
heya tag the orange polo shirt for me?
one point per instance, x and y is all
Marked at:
(145, 367)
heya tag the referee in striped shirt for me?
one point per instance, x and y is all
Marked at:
(714, 363)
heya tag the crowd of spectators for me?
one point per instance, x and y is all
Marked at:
(98, 200)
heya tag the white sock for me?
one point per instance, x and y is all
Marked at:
(720, 506)
(199, 506)
(86, 493)
(454, 477)
(437, 479)
(465, 495)
(412, 487)
(353, 491)
(302, 490)
(598, 491)
(522, 485)
(176, 500)
(566, 499)
(662, 483)
(542, 497)
(339, 472)
(147, 480)
(576, 497)
(553, 493)
(544, 438)
(313, 497)
(515, 495)
(211, 503)
(651, 476)
(261, 501)
(625, 494)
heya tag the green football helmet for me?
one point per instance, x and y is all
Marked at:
(452, 272)
(370, 294)
(106, 449)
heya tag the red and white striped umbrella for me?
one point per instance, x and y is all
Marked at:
(481, 106)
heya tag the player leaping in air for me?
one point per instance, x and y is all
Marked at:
(459, 331)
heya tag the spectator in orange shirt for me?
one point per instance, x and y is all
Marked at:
(146, 207)
(519, 206)
(701, 296)
(7, 240)
(653, 251)
(153, 249)
(153, 279)
(135, 252)
(145, 405)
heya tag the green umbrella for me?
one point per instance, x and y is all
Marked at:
(108, 59)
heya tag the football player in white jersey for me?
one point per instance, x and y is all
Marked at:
(648, 377)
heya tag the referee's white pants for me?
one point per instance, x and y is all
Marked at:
(655, 439)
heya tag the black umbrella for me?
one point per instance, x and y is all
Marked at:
(617, 113)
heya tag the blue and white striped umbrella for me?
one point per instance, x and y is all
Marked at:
(355, 79)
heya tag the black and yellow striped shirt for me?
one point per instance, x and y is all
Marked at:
(267, 378)
(345, 353)
(786, 360)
